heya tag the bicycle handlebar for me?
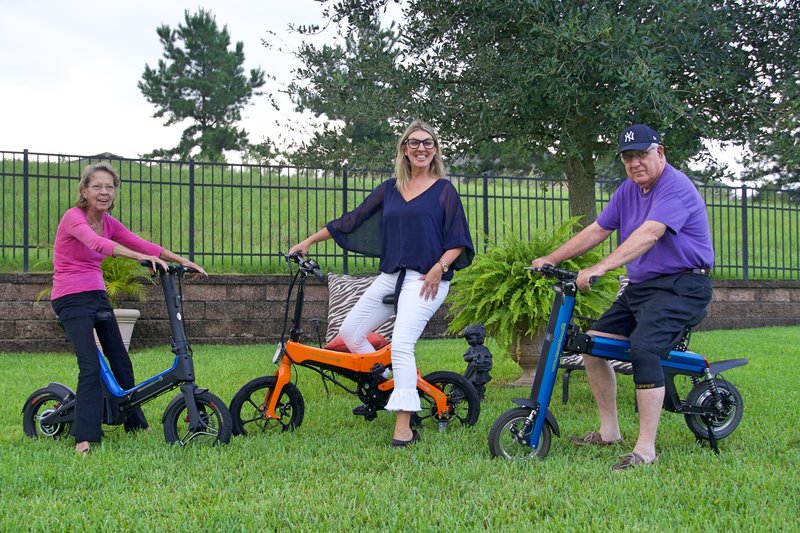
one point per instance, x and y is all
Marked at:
(172, 268)
(308, 266)
(560, 273)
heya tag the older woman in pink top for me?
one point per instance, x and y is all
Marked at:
(86, 235)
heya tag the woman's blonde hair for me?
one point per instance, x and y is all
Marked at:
(87, 175)
(402, 166)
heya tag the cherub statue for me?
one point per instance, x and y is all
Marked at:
(478, 357)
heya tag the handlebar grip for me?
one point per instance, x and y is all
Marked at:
(148, 264)
(561, 274)
(309, 266)
(170, 267)
(320, 275)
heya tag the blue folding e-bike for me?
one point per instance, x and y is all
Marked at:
(194, 416)
(712, 409)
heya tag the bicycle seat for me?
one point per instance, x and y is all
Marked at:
(389, 299)
(337, 344)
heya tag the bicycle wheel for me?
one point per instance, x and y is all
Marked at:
(509, 437)
(249, 406)
(42, 403)
(463, 403)
(216, 424)
(723, 423)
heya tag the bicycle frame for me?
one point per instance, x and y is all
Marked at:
(564, 338)
(180, 374)
(348, 365)
(355, 367)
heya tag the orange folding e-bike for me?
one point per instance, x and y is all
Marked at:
(274, 403)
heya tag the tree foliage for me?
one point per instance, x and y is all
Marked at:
(549, 83)
(775, 147)
(352, 87)
(201, 80)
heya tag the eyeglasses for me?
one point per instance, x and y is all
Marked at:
(414, 143)
(629, 155)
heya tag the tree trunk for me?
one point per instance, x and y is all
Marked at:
(580, 180)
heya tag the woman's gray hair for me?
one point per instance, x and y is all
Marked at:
(86, 177)
(402, 166)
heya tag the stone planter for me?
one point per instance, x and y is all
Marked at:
(126, 318)
(526, 352)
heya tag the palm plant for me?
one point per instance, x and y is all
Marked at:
(124, 280)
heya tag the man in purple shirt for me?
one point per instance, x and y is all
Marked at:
(666, 247)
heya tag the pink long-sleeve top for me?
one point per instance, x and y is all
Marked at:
(78, 251)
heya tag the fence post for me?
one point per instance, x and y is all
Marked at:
(345, 255)
(485, 210)
(745, 251)
(191, 210)
(25, 207)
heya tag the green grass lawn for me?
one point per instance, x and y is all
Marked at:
(338, 473)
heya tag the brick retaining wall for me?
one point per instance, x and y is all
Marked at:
(232, 309)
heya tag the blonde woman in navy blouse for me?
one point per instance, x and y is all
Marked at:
(416, 224)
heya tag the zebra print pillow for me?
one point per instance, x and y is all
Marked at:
(343, 293)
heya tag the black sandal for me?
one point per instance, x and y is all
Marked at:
(403, 443)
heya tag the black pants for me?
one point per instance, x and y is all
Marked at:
(79, 315)
(653, 315)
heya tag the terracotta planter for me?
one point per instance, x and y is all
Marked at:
(126, 318)
(526, 352)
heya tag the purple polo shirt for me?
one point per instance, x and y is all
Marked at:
(411, 235)
(675, 202)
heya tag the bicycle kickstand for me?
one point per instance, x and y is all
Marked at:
(712, 439)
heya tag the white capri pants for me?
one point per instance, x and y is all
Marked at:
(413, 313)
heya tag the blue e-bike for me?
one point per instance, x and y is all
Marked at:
(194, 416)
(712, 409)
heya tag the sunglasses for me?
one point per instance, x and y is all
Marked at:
(629, 155)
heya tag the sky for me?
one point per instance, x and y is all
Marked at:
(70, 70)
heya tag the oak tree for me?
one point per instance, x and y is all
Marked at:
(555, 80)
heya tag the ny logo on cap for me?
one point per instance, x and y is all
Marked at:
(628, 136)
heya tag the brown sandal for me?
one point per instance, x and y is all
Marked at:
(632, 460)
(593, 438)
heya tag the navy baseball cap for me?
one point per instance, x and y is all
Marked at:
(637, 137)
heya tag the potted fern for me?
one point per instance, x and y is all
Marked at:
(513, 303)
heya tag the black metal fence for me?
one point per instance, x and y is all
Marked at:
(237, 217)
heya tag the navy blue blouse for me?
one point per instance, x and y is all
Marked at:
(411, 235)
